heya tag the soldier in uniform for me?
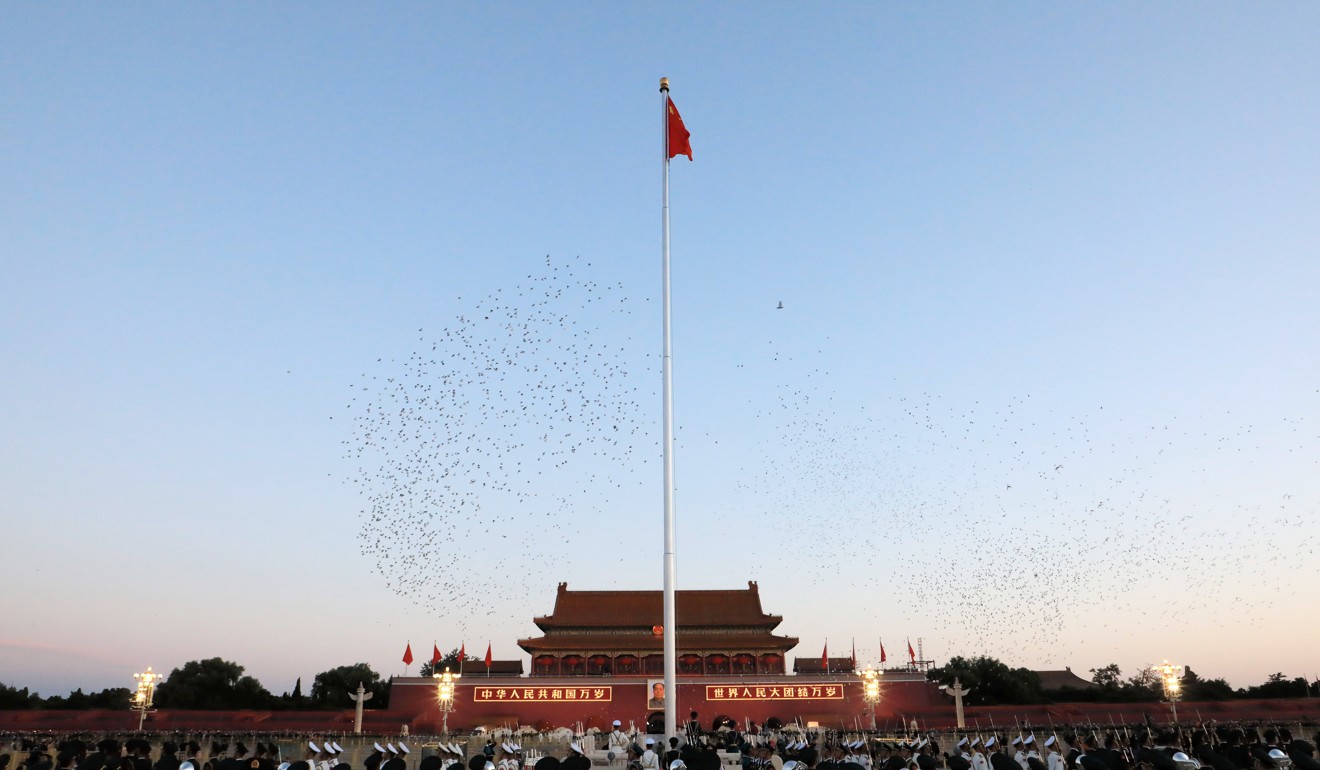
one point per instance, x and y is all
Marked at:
(961, 760)
(395, 760)
(1053, 759)
(190, 751)
(373, 760)
(1032, 755)
(338, 761)
(979, 762)
(576, 759)
(617, 743)
(925, 755)
(650, 761)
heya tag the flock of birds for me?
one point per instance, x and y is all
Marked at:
(509, 450)
(489, 453)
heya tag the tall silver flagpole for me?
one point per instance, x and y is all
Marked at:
(667, 375)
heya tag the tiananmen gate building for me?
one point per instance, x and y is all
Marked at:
(600, 657)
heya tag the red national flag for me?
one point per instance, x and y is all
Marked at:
(882, 651)
(854, 654)
(435, 657)
(679, 138)
(912, 654)
(825, 657)
(488, 658)
(462, 651)
(407, 655)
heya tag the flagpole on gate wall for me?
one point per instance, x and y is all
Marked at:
(667, 376)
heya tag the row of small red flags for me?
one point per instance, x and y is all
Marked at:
(436, 656)
(825, 653)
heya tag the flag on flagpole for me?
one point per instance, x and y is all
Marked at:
(679, 139)
(488, 658)
(435, 656)
(462, 655)
(825, 657)
(854, 654)
(912, 654)
(407, 655)
(882, 650)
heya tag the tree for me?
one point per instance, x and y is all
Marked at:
(211, 684)
(109, 698)
(1108, 677)
(1277, 685)
(14, 698)
(1145, 685)
(991, 681)
(1208, 689)
(331, 689)
(450, 660)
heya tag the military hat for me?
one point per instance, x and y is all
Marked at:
(403, 747)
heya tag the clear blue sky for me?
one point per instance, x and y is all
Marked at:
(1044, 386)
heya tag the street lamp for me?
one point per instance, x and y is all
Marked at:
(1171, 675)
(871, 680)
(444, 693)
(146, 692)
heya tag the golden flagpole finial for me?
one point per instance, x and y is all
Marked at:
(664, 84)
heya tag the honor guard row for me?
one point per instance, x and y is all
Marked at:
(446, 756)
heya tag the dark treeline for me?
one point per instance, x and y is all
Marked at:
(217, 684)
(993, 683)
(221, 685)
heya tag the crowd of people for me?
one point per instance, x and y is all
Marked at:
(1144, 747)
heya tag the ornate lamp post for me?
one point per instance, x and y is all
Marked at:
(871, 685)
(444, 693)
(1171, 675)
(146, 692)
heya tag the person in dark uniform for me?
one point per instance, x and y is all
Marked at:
(1302, 754)
(575, 760)
(924, 756)
(375, 758)
(395, 759)
(169, 756)
(1147, 754)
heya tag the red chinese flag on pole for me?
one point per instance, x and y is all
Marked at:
(912, 654)
(882, 650)
(679, 139)
(488, 658)
(462, 651)
(854, 654)
(407, 655)
(825, 657)
(435, 656)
